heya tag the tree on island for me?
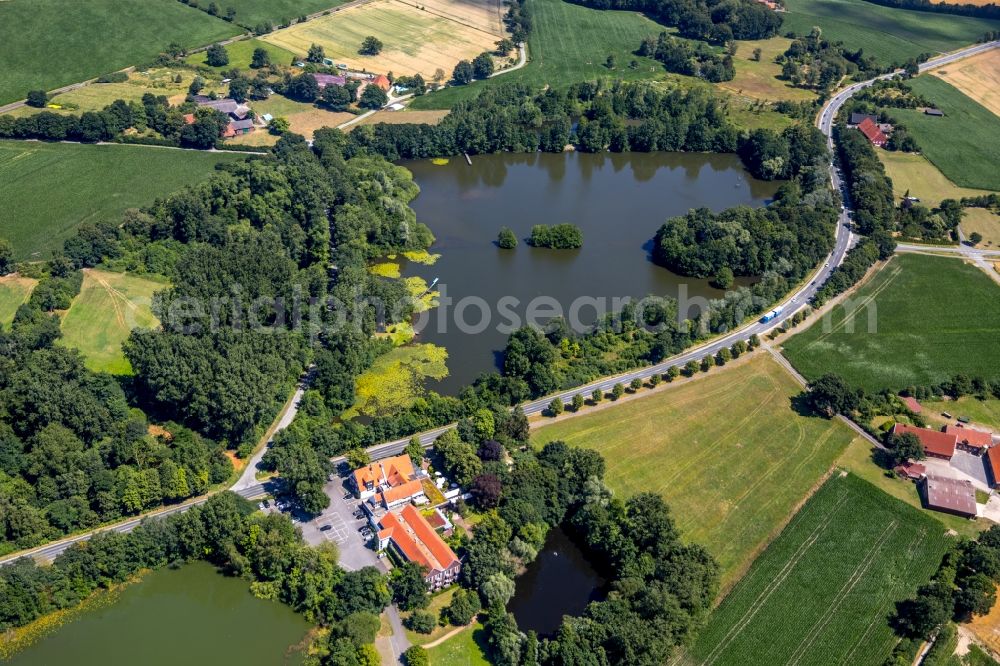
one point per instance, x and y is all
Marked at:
(557, 237)
(506, 239)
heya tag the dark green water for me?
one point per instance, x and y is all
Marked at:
(618, 200)
(192, 616)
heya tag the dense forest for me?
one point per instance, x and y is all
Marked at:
(707, 20)
(227, 531)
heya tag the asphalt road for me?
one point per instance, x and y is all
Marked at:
(791, 305)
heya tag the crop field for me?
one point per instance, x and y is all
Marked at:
(726, 451)
(275, 12)
(51, 43)
(889, 34)
(302, 118)
(101, 317)
(984, 223)
(568, 44)
(241, 53)
(416, 38)
(978, 77)
(933, 317)
(14, 291)
(48, 189)
(965, 143)
(913, 173)
(820, 594)
(758, 79)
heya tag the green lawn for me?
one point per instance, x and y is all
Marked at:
(965, 143)
(101, 317)
(569, 43)
(48, 189)
(726, 451)
(241, 53)
(467, 648)
(934, 317)
(52, 43)
(821, 593)
(438, 602)
(14, 291)
(889, 34)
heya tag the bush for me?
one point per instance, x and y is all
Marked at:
(416, 656)
(421, 621)
(37, 99)
(506, 239)
(464, 606)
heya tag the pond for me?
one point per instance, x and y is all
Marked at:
(618, 201)
(191, 615)
(559, 582)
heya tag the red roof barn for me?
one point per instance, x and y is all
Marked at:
(872, 131)
(976, 441)
(937, 444)
(382, 81)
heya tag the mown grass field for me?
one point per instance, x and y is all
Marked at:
(241, 53)
(275, 12)
(48, 189)
(822, 591)
(983, 222)
(569, 43)
(106, 310)
(14, 291)
(935, 317)
(889, 34)
(913, 173)
(965, 143)
(439, 601)
(757, 79)
(467, 648)
(726, 451)
(417, 38)
(978, 77)
(52, 43)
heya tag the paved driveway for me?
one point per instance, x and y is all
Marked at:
(355, 553)
(971, 465)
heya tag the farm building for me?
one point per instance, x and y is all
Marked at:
(948, 495)
(238, 127)
(388, 483)
(858, 118)
(872, 132)
(325, 80)
(912, 404)
(230, 107)
(993, 466)
(413, 539)
(969, 439)
(937, 444)
(382, 81)
(933, 112)
(911, 471)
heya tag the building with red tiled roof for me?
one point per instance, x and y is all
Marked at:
(382, 81)
(390, 482)
(415, 540)
(911, 470)
(872, 132)
(993, 465)
(189, 119)
(912, 404)
(976, 441)
(936, 444)
(955, 496)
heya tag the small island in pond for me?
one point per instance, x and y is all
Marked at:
(556, 237)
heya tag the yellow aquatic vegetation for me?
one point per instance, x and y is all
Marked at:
(396, 379)
(400, 334)
(422, 257)
(440, 161)
(386, 269)
(417, 287)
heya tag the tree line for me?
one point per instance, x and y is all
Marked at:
(987, 11)
(689, 58)
(228, 532)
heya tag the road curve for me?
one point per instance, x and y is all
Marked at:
(792, 304)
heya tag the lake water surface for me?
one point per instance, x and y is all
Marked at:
(559, 582)
(192, 615)
(618, 200)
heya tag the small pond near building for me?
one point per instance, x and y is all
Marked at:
(192, 615)
(618, 201)
(559, 582)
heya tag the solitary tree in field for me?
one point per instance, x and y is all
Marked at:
(261, 58)
(315, 54)
(482, 66)
(975, 238)
(371, 46)
(610, 62)
(556, 407)
(463, 73)
(216, 56)
(756, 54)
(373, 98)
(278, 126)
(6, 257)
(439, 75)
(506, 239)
(37, 98)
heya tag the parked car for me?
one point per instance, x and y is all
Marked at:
(348, 496)
(326, 528)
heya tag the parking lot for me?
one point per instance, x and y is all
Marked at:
(343, 527)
